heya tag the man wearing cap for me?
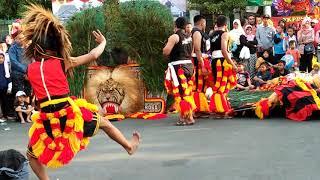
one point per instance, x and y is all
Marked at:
(264, 36)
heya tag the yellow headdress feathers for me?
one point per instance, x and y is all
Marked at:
(40, 27)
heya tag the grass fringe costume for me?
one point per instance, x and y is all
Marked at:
(224, 79)
(64, 124)
(299, 98)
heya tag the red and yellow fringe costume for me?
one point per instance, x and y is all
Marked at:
(200, 87)
(224, 80)
(184, 102)
(60, 150)
(294, 111)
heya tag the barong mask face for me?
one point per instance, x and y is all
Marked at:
(116, 91)
(110, 96)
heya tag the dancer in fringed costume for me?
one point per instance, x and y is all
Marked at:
(180, 71)
(64, 124)
(298, 97)
(223, 70)
(201, 45)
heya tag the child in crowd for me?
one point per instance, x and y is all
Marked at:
(280, 70)
(295, 53)
(265, 58)
(243, 78)
(5, 86)
(291, 37)
(263, 75)
(315, 69)
(23, 109)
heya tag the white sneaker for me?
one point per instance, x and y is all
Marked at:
(2, 120)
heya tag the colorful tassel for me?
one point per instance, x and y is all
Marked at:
(262, 108)
(60, 150)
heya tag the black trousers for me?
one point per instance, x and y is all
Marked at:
(4, 102)
(20, 84)
(306, 62)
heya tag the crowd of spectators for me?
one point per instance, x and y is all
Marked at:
(264, 50)
(15, 90)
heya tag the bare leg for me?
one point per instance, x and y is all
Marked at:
(21, 117)
(115, 134)
(38, 168)
(191, 119)
(29, 116)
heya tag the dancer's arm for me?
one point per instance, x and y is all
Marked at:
(173, 40)
(196, 39)
(224, 49)
(92, 55)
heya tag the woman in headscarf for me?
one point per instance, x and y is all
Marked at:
(235, 34)
(249, 42)
(306, 47)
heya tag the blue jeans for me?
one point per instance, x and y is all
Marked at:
(20, 174)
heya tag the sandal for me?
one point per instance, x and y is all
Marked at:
(181, 123)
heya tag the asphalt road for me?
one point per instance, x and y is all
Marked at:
(237, 149)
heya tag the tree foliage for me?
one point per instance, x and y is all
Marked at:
(80, 27)
(138, 28)
(141, 28)
(11, 9)
(217, 6)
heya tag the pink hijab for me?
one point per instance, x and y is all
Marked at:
(250, 37)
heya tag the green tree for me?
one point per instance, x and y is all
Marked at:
(217, 6)
(11, 9)
(139, 28)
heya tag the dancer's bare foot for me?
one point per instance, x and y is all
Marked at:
(29, 121)
(134, 143)
(190, 120)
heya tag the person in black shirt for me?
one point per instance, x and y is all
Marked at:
(201, 44)
(180, 70)
(280, 70)
(223, 70)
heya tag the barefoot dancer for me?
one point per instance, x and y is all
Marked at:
(179, 73)
(64, 124)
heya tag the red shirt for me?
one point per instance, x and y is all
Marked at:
(54, 78)
(295, 53)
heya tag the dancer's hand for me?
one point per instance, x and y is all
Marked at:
(98, 37)
(234, 67)
(204, 70)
